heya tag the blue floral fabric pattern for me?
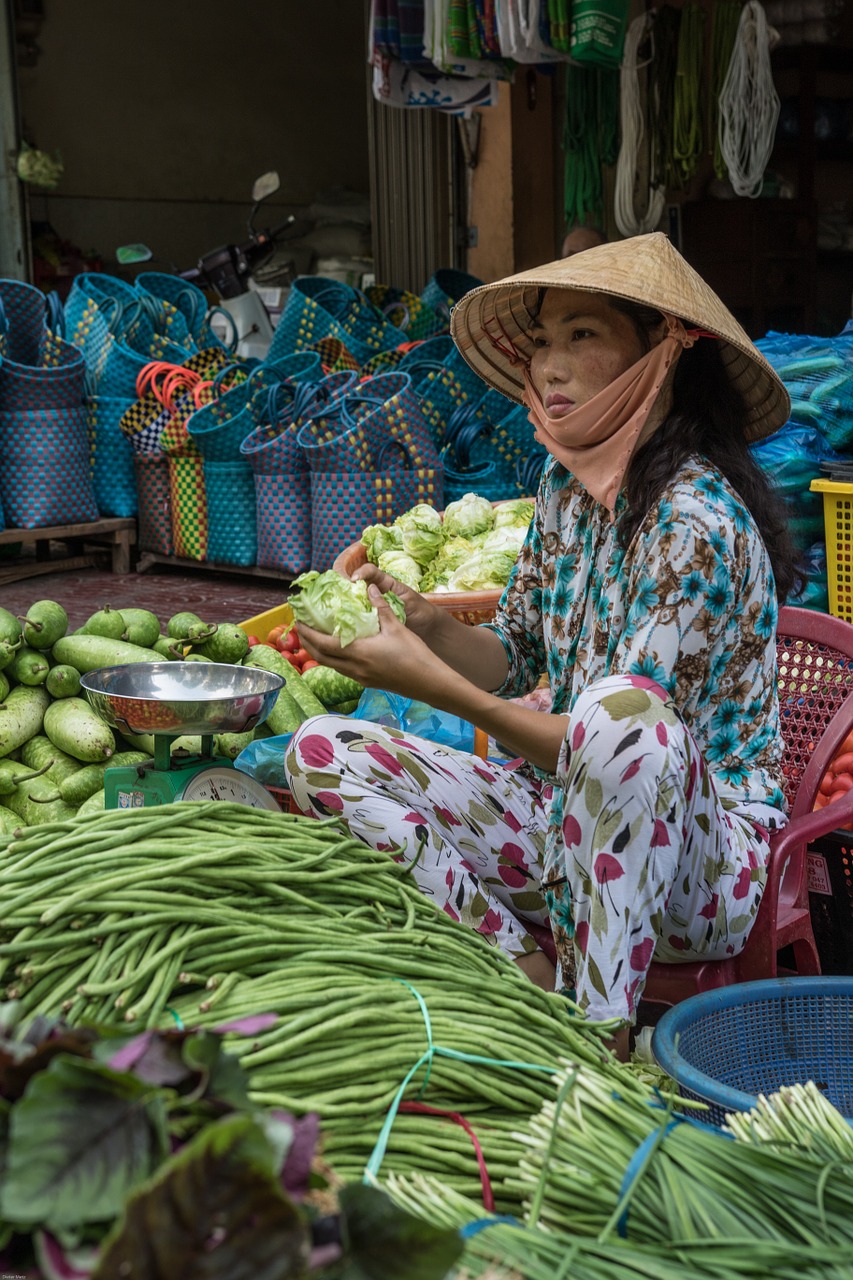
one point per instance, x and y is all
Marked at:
(689, 604)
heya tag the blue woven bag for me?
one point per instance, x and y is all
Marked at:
(318, 308)
(446, 390)
(2, 516)
(344, 504)
(113, 473)
(44, 468)
(232, 532)
(444, 289)
(186, 298)
(282, 482)
(407, 311)
(351, 436)
(219, 428)
(56, 382)
(23, 322)
(119, 333)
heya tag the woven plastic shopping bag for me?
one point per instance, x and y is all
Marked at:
(219, 427)
(113, 473)
(44, 468)
(154, 497)
(232, 527)
(343, 504)
(23, 322)
(319, 308)
(445, 288)
(351, 434)
(281, 476)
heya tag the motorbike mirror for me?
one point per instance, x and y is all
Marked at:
(266, 185)
(127, 254)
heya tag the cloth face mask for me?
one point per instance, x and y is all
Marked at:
(597, 440)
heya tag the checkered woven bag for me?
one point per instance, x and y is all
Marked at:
(219, 428)
(334, 356)
(56, 382)
(155, 504)
(318, 308)
(407, 311)
(344, 504)
(444, 289)
(232, 530)
(119, 331)
(446, 390)
(44, 468)
(351, 434)
(282, 482)
(23, 322)
(113, 475)
(186, 298)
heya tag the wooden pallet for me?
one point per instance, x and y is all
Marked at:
(148, 559)
(83, 546)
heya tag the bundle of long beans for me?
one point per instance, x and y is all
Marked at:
(199, 915)
(600, 1167)
(502, 1250)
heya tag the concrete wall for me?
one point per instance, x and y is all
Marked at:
(164, 112)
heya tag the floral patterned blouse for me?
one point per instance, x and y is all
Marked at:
(691, 603)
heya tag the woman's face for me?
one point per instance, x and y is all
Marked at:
(581, 344)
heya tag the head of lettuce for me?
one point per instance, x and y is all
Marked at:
(338, 606)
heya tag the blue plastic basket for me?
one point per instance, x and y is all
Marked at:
(726, 1046)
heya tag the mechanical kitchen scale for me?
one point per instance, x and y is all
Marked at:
(169, 700)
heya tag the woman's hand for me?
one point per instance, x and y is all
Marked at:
(422, 616)
(396, 659)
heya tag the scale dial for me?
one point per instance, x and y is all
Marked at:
(221, 783)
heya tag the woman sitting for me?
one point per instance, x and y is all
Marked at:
(635, 823)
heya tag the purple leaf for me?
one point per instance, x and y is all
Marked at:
(251, 1025)
(57, 1263)
(154, 1058)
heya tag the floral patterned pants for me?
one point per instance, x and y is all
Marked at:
(626, 853)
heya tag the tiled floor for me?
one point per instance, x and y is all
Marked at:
(214, 597)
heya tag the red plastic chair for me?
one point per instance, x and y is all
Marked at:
(815, 658)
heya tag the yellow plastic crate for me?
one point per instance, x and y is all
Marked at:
(262, 623)
(838, 525)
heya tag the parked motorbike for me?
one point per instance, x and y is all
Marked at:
(226, 274)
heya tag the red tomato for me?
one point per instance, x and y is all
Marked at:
(253, 640)
(300, 656)
(290, 642)
(306, 666)
(274, 635)
(290, 658)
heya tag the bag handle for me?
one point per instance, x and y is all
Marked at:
(55, 314)
(391, 443)
(234, 338)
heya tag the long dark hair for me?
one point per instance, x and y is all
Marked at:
(708, 418)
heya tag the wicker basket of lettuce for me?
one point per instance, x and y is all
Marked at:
(460, 558)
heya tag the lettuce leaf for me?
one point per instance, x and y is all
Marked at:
(338, 606)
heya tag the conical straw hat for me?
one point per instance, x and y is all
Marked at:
(645, 269)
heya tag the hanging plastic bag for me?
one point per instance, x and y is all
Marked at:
(598, 31)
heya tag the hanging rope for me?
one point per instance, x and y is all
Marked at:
(687, 104)
(590, 139)
(726, 16)
(749, 104)
(629, 221)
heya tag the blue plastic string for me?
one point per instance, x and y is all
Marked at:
(426, 1058)
(481, 1224)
